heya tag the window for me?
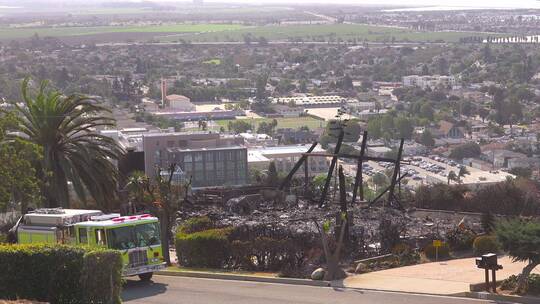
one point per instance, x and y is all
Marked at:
(83, 237)
(241, 165)
(242, 175)
(147, 234)
(188, 167)
(100, 237)
(121, 238)
(219, 175)
(170, 143)
(66, 235)
(220, 156)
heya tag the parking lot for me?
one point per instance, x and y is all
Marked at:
(431, 170)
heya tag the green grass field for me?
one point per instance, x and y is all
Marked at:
(283, 122)
(236, 32)
(15, 33)
(325, 32)
(215, 61)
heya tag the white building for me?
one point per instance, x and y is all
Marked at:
(180, 103)
(313, 101)
(149, 105)
(286, 111)
(428, 81)
(258, 140)
(285, 157)
(367, 114)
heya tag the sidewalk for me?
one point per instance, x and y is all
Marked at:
(445, 278)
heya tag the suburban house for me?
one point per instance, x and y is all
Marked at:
(447, 129)
(501, 158)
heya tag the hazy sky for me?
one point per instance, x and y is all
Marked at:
(464, 3)
(446, 3)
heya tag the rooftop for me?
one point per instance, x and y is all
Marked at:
(163, 134)
(286, 150)
(177, 97)
(172, 150)
(135, 219)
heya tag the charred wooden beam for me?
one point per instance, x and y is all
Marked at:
(297, 166)
(332, 166)
(343, 205)
(359, 180)
(396, 170)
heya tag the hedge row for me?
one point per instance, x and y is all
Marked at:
(259, 247)
(60, 274)
(207, 248)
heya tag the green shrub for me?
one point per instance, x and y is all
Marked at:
(196, 224)
(485, 244)
(460, 239)
(208, 248)
(254, 247)
(431, 252)
(405, 254)
(60, 274)
(533, 283)
(3, 238)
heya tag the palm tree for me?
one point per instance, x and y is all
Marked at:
(462, 172)
(64, 128)
(451, 176)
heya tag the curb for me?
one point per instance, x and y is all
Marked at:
(453, 295)
(481, 287)
(497, 297)
(240, 277)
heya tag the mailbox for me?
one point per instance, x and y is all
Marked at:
(488, 261)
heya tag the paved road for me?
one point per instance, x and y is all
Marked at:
(204, 291)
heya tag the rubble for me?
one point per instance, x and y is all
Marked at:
(421, 225)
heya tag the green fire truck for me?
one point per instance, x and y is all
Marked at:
(137, 237)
